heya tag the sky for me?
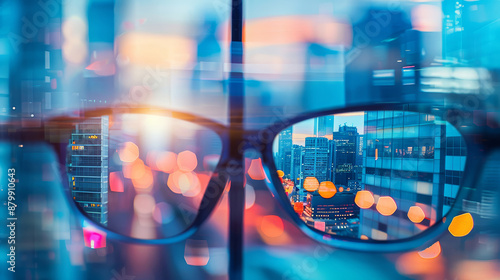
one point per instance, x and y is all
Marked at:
(306, 128)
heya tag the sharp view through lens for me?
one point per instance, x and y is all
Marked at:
(371, 175)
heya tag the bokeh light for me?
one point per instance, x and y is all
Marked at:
(327, 189)
(386, 205)
(187, 161)
(416, 214)
(461, 225)
(271, 226)
(311, 184)
(256, 171)
(432, 252)
(364, 199)
(128, 152)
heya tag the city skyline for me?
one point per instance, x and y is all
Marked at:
(395, 160)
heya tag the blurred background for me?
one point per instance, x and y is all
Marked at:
(59, 57)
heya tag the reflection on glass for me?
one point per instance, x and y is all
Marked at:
(141, 176)
(371, 175)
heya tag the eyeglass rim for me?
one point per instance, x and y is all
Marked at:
(269, 166)
(476, 156)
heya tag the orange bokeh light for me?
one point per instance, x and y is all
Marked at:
(271, 226)
(461, 225)
(281, 173)
(128, 152)
(145, 181)
(173, 182)
(341, 189)
(432, 252)
(311, 184)
(327, 189)
(189, 184)
(187, 161)
(416, 214)
(364, 199)
(256, 171)
(134, 170)
(386, 205)
(298, 207)
(167, 162)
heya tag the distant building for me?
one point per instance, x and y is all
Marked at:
(316, 158)
(297, 163)
(343, 153)
(285, 143)
(88, 167)
(323, 126)
(339, 213)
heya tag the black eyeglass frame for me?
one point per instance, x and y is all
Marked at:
(480, 141)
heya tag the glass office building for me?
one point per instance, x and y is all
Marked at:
(412, 158)
(285, 151)
(316, 158)
(88, 167)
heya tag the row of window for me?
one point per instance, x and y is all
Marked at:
(414, 175)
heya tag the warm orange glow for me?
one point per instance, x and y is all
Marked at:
(173, 182)
(256, 171)
(296, 29)
(134, 170)
(281, 173)
(432, 252)
(298, 207)
(167, 162)
(413, 264)
(416, 214)
(341, 189)
(311, 184)
(363, 237)
(327, 189)
(461, 225)
(115, 182)
(189, 184)
(145, 181)
(187, 161)
(386, 205)
(376, 154)
(477, 269)
(196, 252)
(164, 51)
(272, 226)
(364, 199)
(128, 152)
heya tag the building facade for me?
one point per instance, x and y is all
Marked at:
(88, 167)
(406, 158)
(316, 158)
(284, 159)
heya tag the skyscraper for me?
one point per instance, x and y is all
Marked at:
(343, 152)
(316, 158)
(415, 159)
(323, 126)
(297, 162)
(284, 159)
(88, 167)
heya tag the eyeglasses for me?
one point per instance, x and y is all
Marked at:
(384, 177)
